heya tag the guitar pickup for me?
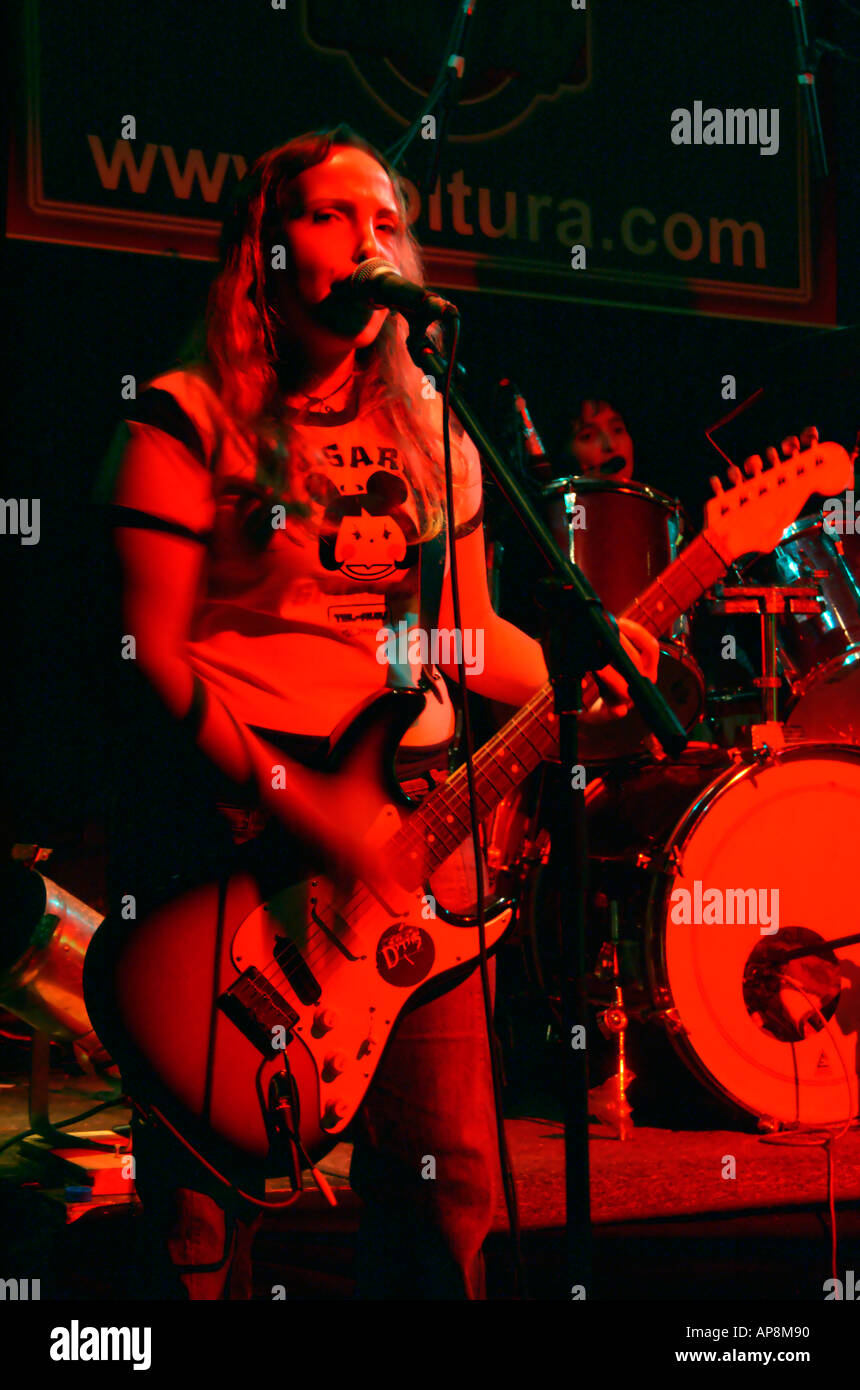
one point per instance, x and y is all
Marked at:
(299, 974)
(256, 1008)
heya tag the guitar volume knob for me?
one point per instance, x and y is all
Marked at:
(335, 1111)
(324, 1021)
(334, 1064)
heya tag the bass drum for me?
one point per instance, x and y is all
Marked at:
(702, 858)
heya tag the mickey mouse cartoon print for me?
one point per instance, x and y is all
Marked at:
(367, 536)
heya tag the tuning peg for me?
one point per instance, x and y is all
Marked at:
(735, 473)
(717, 486)
(753, 466)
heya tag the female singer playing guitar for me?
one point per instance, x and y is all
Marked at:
(275, 504)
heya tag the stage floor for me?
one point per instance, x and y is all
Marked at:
(667, 1223)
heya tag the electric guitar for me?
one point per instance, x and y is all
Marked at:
(260, 1010)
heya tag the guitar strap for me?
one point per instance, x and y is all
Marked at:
(431, 573)
(431, 576)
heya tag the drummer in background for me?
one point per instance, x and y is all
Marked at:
(599, 441)
(598, 444)
(595, 442)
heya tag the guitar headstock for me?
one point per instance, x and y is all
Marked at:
(753, 512)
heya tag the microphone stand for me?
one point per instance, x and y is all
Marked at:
(579, 636)
(807, 62)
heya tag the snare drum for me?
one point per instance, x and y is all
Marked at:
(623, 535)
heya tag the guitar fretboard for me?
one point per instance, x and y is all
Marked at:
(441, 823)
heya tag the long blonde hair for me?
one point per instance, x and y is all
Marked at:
(241, 333)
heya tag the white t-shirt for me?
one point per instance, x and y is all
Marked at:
(289, 621)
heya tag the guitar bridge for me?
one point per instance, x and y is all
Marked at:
(256, 1008)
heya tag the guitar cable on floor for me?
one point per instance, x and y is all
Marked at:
(267, 1204)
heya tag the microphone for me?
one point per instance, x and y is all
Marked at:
(535, 454)
(378, 283)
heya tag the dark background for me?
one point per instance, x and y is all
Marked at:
(80, 318)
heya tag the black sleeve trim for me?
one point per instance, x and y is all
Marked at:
(468, 527)
(159, 408)
(145, 521)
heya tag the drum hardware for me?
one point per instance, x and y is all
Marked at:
(819, 650)
(611, 1110)
(731, 714)
(609, 1101)
(768, 1125)
(763, 752)
(786, 986)
(667, 864)
(517, 842)
(771, 602)
(822, 948)
(508, 878)
(669, 1019)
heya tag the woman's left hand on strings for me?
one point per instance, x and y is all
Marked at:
(614, 701)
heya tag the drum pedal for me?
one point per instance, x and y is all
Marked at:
(611, 1112)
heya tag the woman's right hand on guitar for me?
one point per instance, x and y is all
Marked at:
(162, 575)
(333, 813)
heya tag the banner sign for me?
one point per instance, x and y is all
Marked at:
(649, 155)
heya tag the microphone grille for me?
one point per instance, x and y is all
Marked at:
(368, 269)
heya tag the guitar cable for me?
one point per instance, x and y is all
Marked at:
(468, 743)
(153, 1111)
(814, 1138)
(267, 1204)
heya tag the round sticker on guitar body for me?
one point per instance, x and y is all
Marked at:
(405, 955)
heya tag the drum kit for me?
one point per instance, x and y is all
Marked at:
(761, 1006)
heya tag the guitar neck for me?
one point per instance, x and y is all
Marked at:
(442, 822)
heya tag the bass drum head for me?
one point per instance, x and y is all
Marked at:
(827, 709)
(631, 811)
(779, 1038)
